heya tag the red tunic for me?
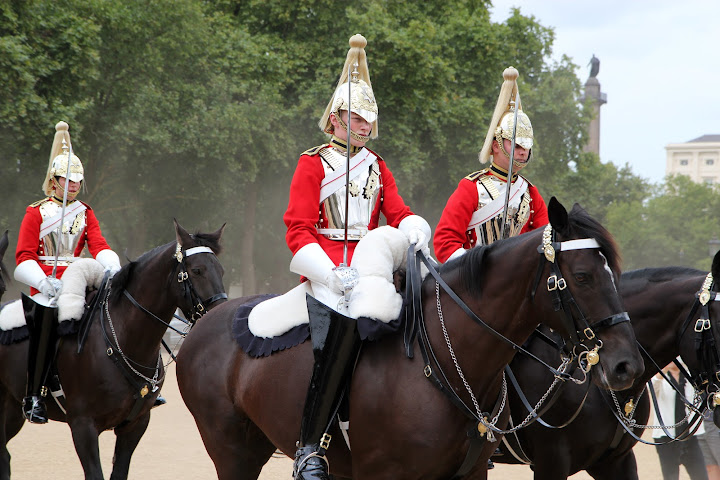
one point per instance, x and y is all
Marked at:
(452, 233)
(29, 246)
(305, 214)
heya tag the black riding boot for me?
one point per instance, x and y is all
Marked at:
(41, 323)
(336, 345)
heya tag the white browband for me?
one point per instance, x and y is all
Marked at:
(194, 250)
(578, 244)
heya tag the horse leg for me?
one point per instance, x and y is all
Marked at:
(11, 421)
(126, 440)
(623, 468)
(552, 465)
(85, 438)
(238, 449)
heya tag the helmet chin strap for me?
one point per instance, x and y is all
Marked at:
(356, 136)
(517, 164)
(70, 195)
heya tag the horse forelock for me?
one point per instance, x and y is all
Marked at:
(582, 225)
(210, 240)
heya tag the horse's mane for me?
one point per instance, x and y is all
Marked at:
(636, 281)
(123, 277)
(581, 224)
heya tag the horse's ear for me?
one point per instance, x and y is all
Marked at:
(183, 237)
(4, 243)
(716, 268)
(558, 216)
(217, 234)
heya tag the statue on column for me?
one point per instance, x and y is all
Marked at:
(594, 66)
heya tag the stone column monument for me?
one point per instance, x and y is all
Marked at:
(592, 91)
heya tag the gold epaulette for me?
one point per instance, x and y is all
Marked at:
(36, 204)
(475, 175)
(314, 150)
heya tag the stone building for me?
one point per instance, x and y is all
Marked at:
(699, 159)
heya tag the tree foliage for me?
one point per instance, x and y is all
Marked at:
(198, 110)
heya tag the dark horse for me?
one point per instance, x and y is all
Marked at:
(4, 276)
(106, 385)
(660, 302)
(401, 426)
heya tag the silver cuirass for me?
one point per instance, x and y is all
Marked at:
(364, 191)
(57, 243)
(489, 188)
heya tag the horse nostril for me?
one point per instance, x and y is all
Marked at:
(622, 370)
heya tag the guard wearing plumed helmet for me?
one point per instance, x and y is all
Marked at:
(323, 233)
(47, 244)
(481, 209)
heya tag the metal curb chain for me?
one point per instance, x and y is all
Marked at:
(152, 381)
(491, 424)
(631, 422)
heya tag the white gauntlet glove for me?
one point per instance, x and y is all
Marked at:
(50, 287)
(109, 260)
(30, 273)
(417, 231)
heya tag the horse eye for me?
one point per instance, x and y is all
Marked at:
(196, 271)
(581, 278)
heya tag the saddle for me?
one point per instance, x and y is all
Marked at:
(79, 298)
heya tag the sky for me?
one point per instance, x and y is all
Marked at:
(659, 67)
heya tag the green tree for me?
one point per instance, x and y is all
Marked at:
(199, 110)
(672, 227)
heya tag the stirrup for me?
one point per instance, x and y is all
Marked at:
(34, 410)
(309, 464)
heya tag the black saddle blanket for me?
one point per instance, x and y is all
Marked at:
(260, 346)
(18, 334)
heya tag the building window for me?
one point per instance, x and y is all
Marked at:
(709, 161)
(683, 162)
(708, 180)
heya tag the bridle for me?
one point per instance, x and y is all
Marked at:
(577, 326)
(562, 300)
(706, 347)
(708, 358)
(191, 294)
(141, 383)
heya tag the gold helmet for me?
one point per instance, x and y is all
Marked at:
(58, 166)
(501, 125)
(363, 99)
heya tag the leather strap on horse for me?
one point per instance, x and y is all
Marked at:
(446, 288)
(549, 403)
(89, 315)
(138, 387)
